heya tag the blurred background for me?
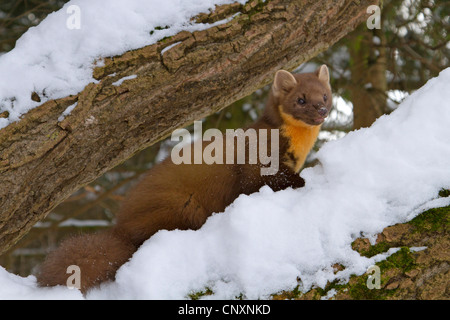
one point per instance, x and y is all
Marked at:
(372, 71)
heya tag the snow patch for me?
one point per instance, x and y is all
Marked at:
(55, 60)
(67, 111)
(120, 81)
(368, 180)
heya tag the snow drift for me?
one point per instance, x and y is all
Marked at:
(56, 58)
(262, 243)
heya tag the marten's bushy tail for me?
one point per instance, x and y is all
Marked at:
(97, 255)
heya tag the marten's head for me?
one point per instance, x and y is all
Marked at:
(303, 98)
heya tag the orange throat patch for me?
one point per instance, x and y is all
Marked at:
(301, 138)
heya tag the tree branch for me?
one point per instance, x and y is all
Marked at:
(43, 161)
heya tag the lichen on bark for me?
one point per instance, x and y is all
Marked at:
(406, 274)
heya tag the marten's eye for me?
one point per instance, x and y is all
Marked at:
(325, 98)
(301, 101)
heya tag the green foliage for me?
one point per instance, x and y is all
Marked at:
(415, 36)
(402, 259)
(444, 193)
(376, 249)
(433, 220)
(200, 294)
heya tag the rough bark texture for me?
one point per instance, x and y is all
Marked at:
(369, 84)
(43, 161)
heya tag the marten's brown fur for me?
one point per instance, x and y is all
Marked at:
(184, 196)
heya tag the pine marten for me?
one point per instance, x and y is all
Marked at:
(183, 196)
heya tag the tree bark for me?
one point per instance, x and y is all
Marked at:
(43, 161)
(368, 70)
(419, 270)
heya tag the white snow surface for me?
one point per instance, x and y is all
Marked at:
(54, 60)
(368, 180)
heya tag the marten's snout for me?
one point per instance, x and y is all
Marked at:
(322, 111)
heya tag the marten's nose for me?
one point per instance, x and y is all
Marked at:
(322, 111)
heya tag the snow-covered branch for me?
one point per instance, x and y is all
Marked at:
(82, 101)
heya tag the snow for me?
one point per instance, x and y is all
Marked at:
(368, 180)
(120, 81)
(67, 111)
(56, 58)
(169, 47)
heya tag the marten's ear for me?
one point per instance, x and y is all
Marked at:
(323, 74)
(283, 83)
